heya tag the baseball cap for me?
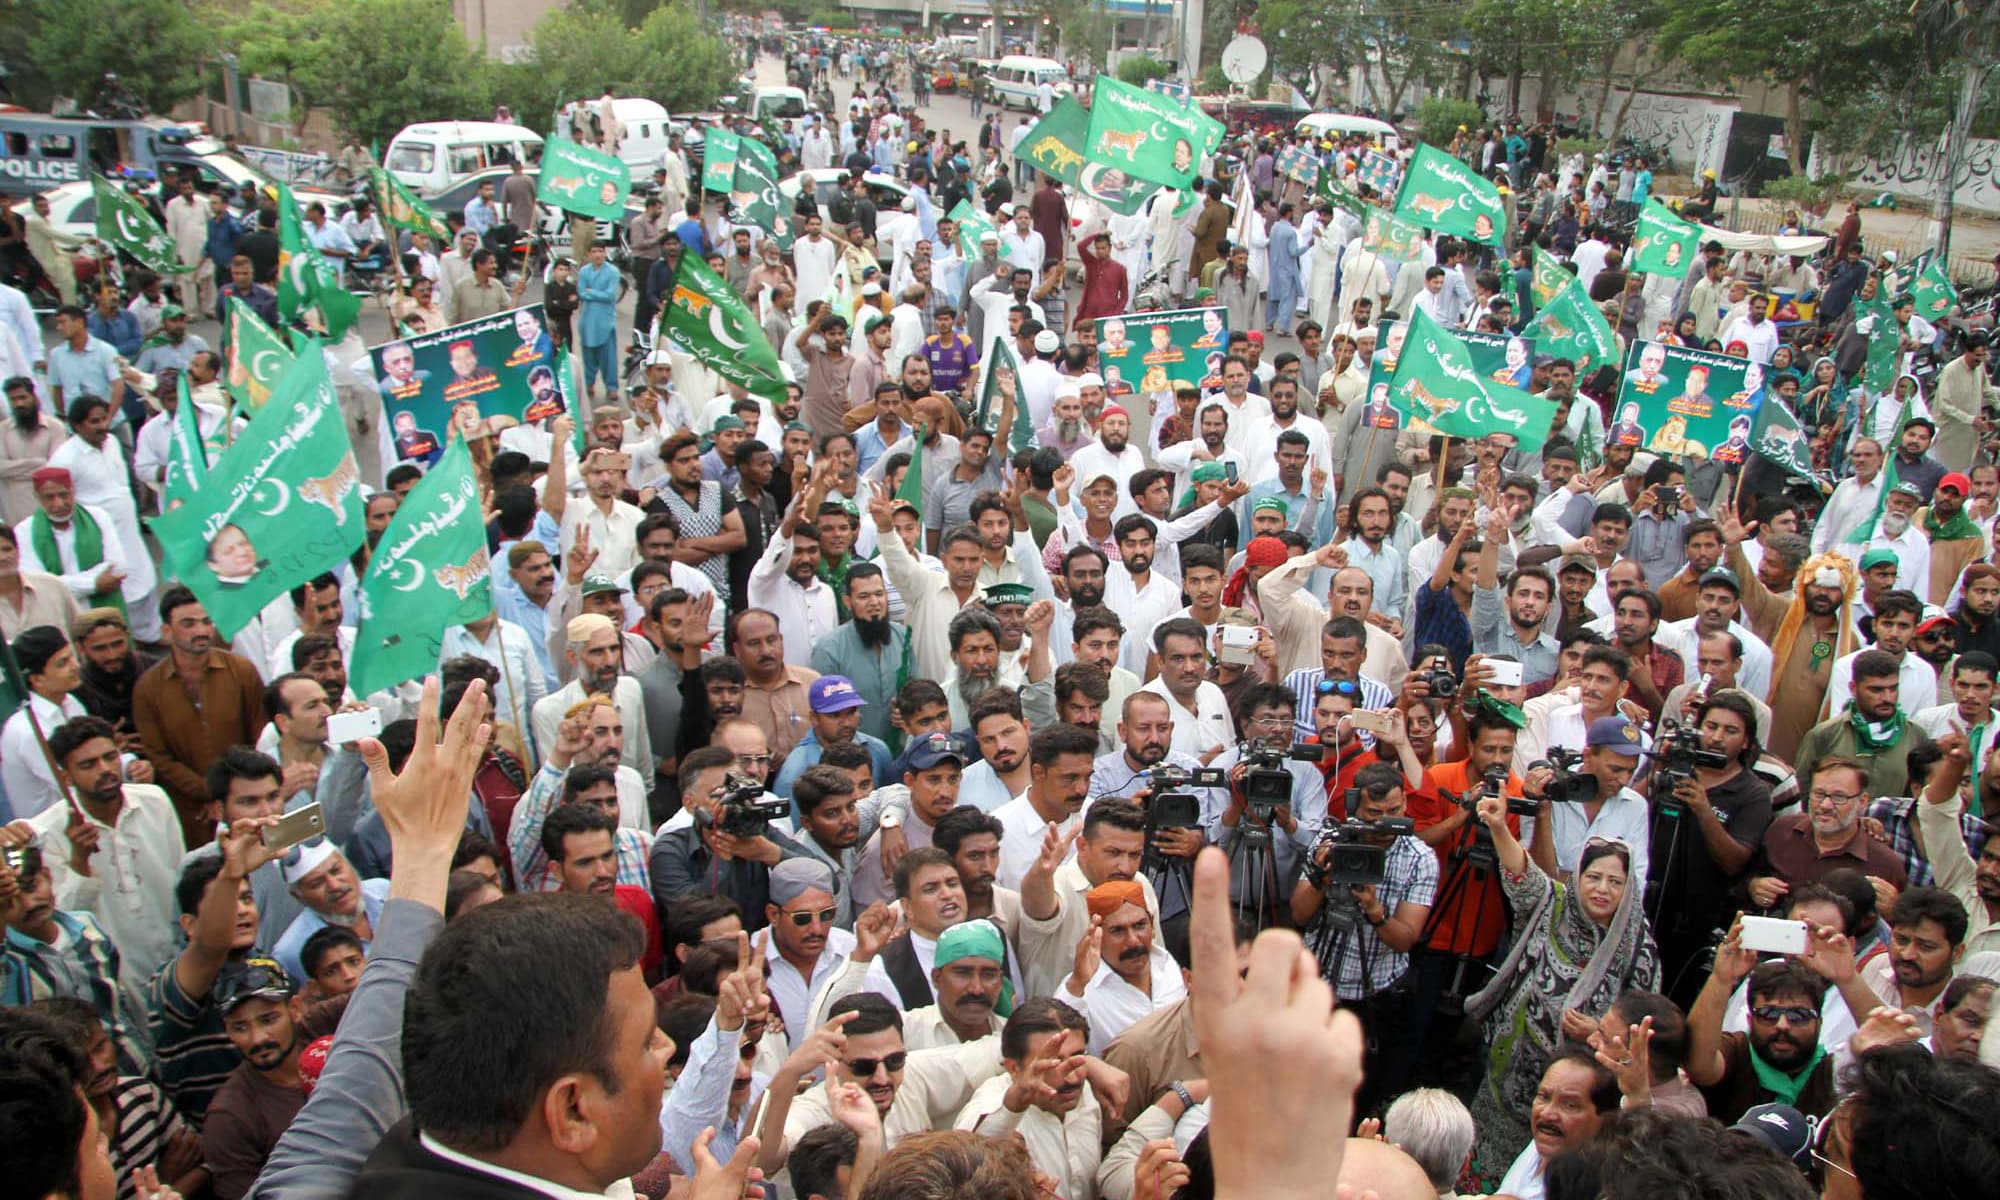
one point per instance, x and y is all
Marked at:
(1616, 734)
(1721, 577)
(727, 422)
(832, 694)
(1921, 419)
(1934, 616)
(250, 979)
(1958, 481)
(1577, 562)
(874, 318)
(1271, 504)
(1879, 558)
(932, 749)
(169, 312)
(997, 594)
(597, 585)
(1781, 1127)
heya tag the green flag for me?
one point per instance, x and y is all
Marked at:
(584, 181)
(1548, 277)
(257, 357)
(126, 224)
(401, 209)
(1436, 374)
(187, 457)
(1392, 237)
(1933, 291)
(754, 189)
(1148, 135)
(1055, 147)
(282, 504)
(1777, 438)
(1663, 244)
(718, 160)
(704, 317)
(1570, 326)
(1439, 192)
(1341, 196)
(971, 224)
(430, 571)
(566, 379)
(1885, 348)
(912, 490)
(305, 278)
(1000, 380)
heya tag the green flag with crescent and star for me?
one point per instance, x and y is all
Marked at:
(1933, 291)
(1147, 135)
(1548, 277)
(754, 191)
(1885, 345)
(718, 160)
(1776, 437)
(280, 506)
(1000, 383)
(1439, 192)
(1570, 326)
(1436, 374)
(1390, 236)
(971, 224)
(126, 224)
(704, 317)
(1341, 196)
(1056, 145)
(187, 457)
(430, 571)
(257, 357)
(402, 209)
(1663, 244)
(580, 180)
(305, 278)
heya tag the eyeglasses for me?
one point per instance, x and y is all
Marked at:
(753, 760)
(1792, 1014)
(1820, 797)
(802, 919)
(1823, 1137)
(864, 1068)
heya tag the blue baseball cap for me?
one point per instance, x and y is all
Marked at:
(1616, 734)
(832, 694)
(930, 750)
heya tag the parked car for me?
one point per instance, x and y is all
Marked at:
(885, 191)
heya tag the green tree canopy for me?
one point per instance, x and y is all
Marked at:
(155, 47)
(585, 47)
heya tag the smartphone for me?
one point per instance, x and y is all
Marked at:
(1239, 644)
(1502, 674)
(302, 824)
(345, 727)
(1373, 722)
(1773, 935)
(1229, 471)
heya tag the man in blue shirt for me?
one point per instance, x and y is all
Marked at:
(836, 718)
(223, 234)
(111, 322)
(479, 212)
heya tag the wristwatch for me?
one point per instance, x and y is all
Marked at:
(1374, 923)
(1186, 1097)
(888, 819)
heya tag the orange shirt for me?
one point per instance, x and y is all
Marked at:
(1472, 922)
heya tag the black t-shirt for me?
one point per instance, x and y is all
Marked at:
(1699, 891)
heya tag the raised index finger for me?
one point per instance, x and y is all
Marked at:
(1213, 984)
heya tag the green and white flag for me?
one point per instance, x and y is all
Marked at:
(281, 505)
(1439, 192)
(971, 224)
(1341, 196)
(718, 160)
(1663, 244)
(1056, 147)
(912, 490)
(1549, 276)
(705, 318)
(754, 189)
(1392, 237)
(1435, 372)
(187, 457)
(257, 357)
(1570, 326)
(305, 278)
(430, 571)
(1933, 291)
(126, 224)
(402, 209)
(1147, 135)
(999, 383)
(1776, 437)
(584, 181)
(1885, 346)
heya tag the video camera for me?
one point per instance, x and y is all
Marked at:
(746, 809)
(1359, 851)
(1677, 755)
(1569, 786)
(1267, 780)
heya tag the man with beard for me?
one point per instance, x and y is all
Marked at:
(78, 544)
(594, 646)
(1260, 444)
(867, 649)
(949, 493)
(322, 880)
(270, 1027)
(26, 442)
(1145, 597)
(1895, 624)
(1066, 431)
(1701, 546)
(183, 737)
(828, 828)
(976, 667)
(1853, 501)
(1211, 443)
(1898, 540)
(1808, 633)
(1370, 551)
(1121, 974)
(1002, 729)
(972, 838)
(1975, 882)
(1145, 734)
(1111, 454)
(1780, 1059)
(834, 713)
(1974, 616)
(786, 581)
(1524, 635)
(587, 853)
(1926, 943)
(581, 764)
(1956, 541)
(1936, 641)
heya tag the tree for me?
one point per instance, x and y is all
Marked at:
(583, 48)
(1141, 69)
(155, 47)
(1961, 34)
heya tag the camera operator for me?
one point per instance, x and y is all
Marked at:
(1690, 892)
(1146, 734)
(1368, 961)
(1578, 811)
(1264, 849)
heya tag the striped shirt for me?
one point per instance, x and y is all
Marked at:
(82, 963)
(146, 1118)
(1360, 964)
(193, 1053)
(532, 869)
(1304, 683)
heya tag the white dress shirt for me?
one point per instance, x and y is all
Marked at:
(1140, 608)
(130, 888)
(1113, 1005)
(509, 647)
(1206, 727)
(1916, 684)
(792, 992)
(1755, 675)
(31, 785)
(1021, 843)
(805, 614)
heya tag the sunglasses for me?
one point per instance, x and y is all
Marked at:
(802, 919)
(864, 1068)
(1795, 1014)
(1336, 687)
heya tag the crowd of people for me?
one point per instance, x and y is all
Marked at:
(1210, 792)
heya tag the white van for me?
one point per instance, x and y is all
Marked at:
(1016, 80)
(645, 125)
(433, 156)
(1319, 125)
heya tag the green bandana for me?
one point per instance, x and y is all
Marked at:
(89, 551)
(1873, 737)
(1958, 528)
(1496, 707)
(978, 939)
(1785, 1088)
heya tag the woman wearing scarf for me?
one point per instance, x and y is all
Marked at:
(1577, 946)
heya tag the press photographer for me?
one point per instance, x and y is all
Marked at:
(1707, 823)
(1363, 898)
(1593, 801)
(1276, 802)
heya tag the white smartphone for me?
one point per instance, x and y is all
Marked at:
(302, 824)
(344, 727)
(1502, 674)
(1774, 935)
(1239, 644)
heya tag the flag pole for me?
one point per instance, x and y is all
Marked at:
(13, 668)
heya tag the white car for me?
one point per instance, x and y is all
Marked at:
(886, 191)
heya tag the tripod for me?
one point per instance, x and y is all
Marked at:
(1253, 861)
(1685, 939)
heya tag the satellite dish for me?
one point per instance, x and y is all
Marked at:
(1243, 59)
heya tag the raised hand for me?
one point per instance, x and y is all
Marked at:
(1089, 956)
(736, 1179)
(1885, 1026)
(1160, 1173)
(1055, 850)
(874, 929)
(1629, 1057)
(824, 1045)
(1041, 617)
(576, 564)
(82, 834)
(423, 807)
(881, 506)
(572, 735)
(740, 992)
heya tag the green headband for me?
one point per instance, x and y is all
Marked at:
(1494, 706)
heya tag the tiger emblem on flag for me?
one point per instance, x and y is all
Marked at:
(331, 491)
(461, 578)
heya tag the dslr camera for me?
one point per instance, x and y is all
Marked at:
(746, 809)
(1677, 755)
(1443, 684)
(1570, 786)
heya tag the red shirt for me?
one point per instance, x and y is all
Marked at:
(1473, 922)
(1104, 289)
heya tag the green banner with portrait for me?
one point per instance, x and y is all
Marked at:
(1677, 400)
(1148, 353)
(497, 366)
(584, 181)
(1497, 357)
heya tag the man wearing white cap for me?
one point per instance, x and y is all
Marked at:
(1039, 377)
(1066, 431)
(320, 878)
(592, 644)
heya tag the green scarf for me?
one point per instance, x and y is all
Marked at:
(89, 551)
(1958, 528)
(1785, 1088)
(1873, 737)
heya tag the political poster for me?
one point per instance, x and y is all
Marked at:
(1392, 237)
(1148, 353)
(1497, 357)
(1662, 243)
(1442, 193)
(584, 181)
(1300, 164)
(1441, 386)
(502, 365)
(1148, 135)
(1678, 400)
